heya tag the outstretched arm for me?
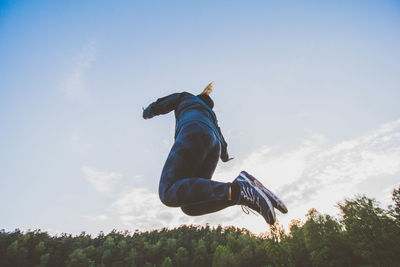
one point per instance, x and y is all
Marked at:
(163, 105)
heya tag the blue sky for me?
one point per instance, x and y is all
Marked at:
(306, 94)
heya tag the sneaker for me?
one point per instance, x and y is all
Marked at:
(276, 202)
(255, 199)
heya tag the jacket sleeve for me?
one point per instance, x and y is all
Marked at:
(163, 105)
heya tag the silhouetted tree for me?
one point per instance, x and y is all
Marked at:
(373, 235)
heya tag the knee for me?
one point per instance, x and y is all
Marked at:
(166, 197)
(189, 211)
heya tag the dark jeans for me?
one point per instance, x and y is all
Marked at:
(186, 176)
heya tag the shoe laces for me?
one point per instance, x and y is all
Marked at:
(247, 210)
(248, 194)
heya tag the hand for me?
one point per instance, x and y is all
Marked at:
(226, 160)
(146, 114)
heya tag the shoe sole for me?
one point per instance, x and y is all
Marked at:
(251, 180)
(276, 202)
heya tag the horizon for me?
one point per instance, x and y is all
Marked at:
(338, 218)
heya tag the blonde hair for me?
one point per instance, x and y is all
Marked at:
(208, 89)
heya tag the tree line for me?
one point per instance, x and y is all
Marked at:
(363, 235)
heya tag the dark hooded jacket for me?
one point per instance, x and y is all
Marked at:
(188, 108)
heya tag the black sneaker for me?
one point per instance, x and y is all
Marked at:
(255, 199)
(276, 202)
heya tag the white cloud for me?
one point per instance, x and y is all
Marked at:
(75, 85)
(318, 175)
(139, 208)
(318, 165)
(102, 181)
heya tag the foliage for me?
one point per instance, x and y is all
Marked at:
(364, 235)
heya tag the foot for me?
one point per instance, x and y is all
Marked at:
(276, 202)
(254, 198)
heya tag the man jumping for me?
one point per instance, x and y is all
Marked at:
(186, 177)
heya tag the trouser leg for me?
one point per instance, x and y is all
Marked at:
(207, 207)
(186, 176)
(207, 170)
